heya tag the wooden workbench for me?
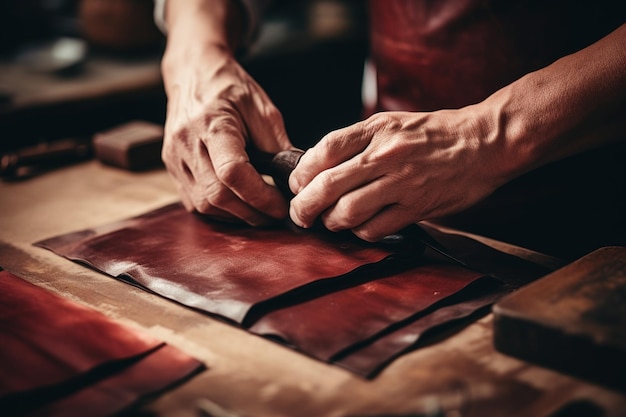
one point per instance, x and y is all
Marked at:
(106, 91)
(246, 373)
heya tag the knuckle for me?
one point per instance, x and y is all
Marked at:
(181, 135)
(302, 210)
(375, 122)
(218, 195)
(345, 214)
(327, 180)
(201, 205)
(169, 155)
(169, 150)
(326, 146)
(384, 121)
(220, 124)
(208, 197)
(296, 207)
(228, 173)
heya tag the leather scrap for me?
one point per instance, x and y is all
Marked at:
(166, 368)
(373, 355)
(52, 348)
(332, 322)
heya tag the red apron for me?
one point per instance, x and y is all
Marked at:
(434, 54)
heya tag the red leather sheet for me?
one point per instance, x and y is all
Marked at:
(324, 294)
(157, 372)
(31, 318)
(51, 347)
(373, 355)
(219, 268)
(332, 322)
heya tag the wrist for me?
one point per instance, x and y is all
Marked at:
(218, 22)
(201, 54)
(513, 130)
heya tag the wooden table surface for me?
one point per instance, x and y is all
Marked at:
(247, 374)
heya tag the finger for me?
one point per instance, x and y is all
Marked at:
(334, 148)
(210, 211)
(213, 198)
(201, 191)
(359, 205)
(184, 197)
(170, 155)
(266, 125)
(219, 202)
(221, 215)
(386, 222)
(326, 189)
(233, 169)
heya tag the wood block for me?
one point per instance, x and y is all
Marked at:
(573, 320)
(134, 145)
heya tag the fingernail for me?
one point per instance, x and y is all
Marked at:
(294, 186)
(295, 219)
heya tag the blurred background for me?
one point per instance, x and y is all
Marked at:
(71, 68)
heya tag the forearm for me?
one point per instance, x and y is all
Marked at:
(196, 26)
(219, 22)
(571, 106)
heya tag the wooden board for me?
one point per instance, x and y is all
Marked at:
(573, 320)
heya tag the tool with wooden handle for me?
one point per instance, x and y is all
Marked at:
(279, 166)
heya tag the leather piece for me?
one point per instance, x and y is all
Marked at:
(325, 294)
(510, 269)
(51, 348)
(160, 371)
(31, 318)
(327, 324)
(220, 268)
(373, 355)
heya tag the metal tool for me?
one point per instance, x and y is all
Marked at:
(28, 161)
